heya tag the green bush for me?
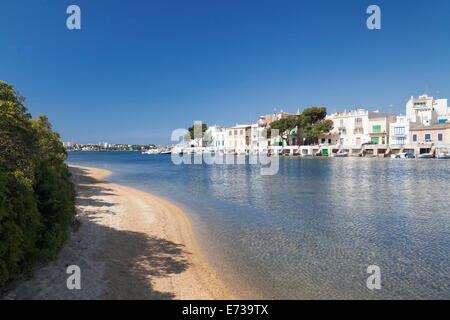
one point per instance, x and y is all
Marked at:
(37, 197)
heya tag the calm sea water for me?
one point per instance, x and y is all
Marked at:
(311, 231)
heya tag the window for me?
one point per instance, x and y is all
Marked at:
(427, 136)
(414, 137)
(241, 132)
(358, 122)
(358, 131)
(440, 137)
(401, 140)
(231, 133)
(235, 132)
(376, 129)
(399, 130)
(341, 122)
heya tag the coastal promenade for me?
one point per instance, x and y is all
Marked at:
(131, 245)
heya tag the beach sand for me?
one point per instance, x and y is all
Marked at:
(131, 245)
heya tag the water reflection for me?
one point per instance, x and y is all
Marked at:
(311, 230)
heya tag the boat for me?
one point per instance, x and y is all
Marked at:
(425, 156)
(443, 156)
(165, 152)
(407, 155)
(339, 155)
(151, 151)
(395, 156)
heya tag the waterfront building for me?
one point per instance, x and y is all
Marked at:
(357, 127)
(264, 121)
(238, 138)
(399, 130)
(349, 128)
(437, 134)
(259, 141)
(379, 127)
(428, 110)
(292, 138)
(215, 137)
(68, 145)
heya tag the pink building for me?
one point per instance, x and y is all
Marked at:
(437, 134)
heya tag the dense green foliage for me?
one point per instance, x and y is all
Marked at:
(197, 131)
(311, 121)
(37, 203)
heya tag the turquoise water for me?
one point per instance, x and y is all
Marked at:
(311, 231)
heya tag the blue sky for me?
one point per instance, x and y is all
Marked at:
(139, 69)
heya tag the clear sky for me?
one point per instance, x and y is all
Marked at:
(140, 68)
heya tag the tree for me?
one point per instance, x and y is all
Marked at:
(312, 115)
(318, 129)
(196, 132)
(15, 132)
(310, 121)
(284, 124)
(313, 124)
(37, 198)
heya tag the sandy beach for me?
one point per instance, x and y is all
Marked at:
(131, 245)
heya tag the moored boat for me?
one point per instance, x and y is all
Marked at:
(425, 156)
(151, 151)
(339, 155)
(406, 155)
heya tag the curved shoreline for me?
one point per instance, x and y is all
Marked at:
(131, 245)
(189, 277)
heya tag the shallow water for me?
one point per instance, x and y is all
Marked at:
(311, 231)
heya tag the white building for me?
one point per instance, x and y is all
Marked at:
(259, 132)
(399, 130)
(350, 128)
(238, 138)
(215, 137)
(427, 110)
(380, 127)
(259, 141)
(68, 144)
(355, 127)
